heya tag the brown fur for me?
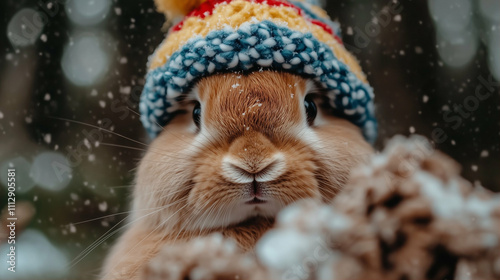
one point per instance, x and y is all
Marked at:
(187, 182)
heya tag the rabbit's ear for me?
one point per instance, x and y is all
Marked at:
(176, 8)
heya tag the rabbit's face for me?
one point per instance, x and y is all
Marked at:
(245, 146)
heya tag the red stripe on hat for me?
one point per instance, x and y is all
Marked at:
(207, 8)
(327, 28)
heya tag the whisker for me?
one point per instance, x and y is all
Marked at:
(109, 131)
(100, 128)
(107, 216)
(138, 243)
(138, 114)
(101, 239)
(105, 236)
(123, 146)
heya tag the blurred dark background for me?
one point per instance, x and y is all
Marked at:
(68, 66)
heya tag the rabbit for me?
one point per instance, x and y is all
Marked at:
(244, 147)
(245, 120)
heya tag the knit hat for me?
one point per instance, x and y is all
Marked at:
(217, 36)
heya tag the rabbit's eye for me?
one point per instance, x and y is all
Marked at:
(197, 114)
(311, 110)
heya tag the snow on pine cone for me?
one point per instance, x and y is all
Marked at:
(407, 214)
(205, 258)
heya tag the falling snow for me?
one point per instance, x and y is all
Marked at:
(47, 138)
(125, 90)
(484, 153)
(87, 143)
(349, 31)
(103, 206)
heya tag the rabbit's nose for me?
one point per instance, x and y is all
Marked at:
(242, 171)
(253, 157)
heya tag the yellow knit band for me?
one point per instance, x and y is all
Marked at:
(237, 12)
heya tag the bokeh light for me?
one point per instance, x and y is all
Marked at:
(451, 15)
(494, 47)
(25, 27)
(87, 13)
(490, 9)
(24, 183)
(457, 49)
(51, 171)
(37, 258)
(456, 36)
(462, 26)
(85, 60)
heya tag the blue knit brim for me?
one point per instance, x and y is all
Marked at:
(253, 47)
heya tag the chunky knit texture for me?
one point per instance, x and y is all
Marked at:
(252, 46)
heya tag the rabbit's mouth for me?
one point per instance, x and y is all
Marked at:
(256, 191)
(255, 201)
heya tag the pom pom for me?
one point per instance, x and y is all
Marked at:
(176, 8)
